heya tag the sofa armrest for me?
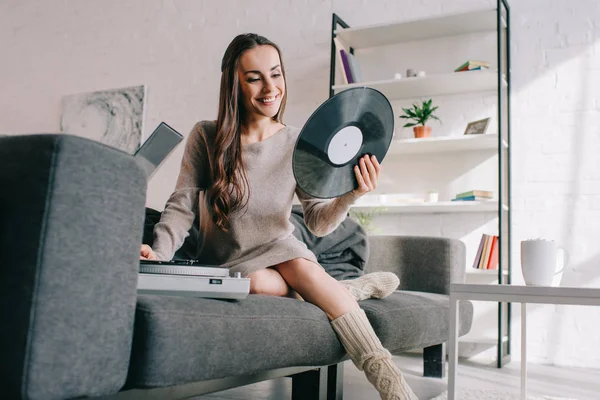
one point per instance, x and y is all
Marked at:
(426, 264)
(71, 219)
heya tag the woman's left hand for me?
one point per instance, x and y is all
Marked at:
(367, 173)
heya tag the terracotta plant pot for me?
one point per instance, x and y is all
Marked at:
(422, 131)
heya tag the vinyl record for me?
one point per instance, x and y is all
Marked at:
(347, 126)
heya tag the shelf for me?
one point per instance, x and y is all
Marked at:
(481, 340)
(408, 31)
(445, 144)
(439, 207)
(431, 85)
(493, 272)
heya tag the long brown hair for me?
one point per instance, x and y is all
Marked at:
(229, 190)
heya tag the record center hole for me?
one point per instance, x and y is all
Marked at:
(344, 145)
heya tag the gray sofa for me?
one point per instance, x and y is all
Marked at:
(71, 221)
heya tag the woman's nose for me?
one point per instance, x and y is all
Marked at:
(268, 86)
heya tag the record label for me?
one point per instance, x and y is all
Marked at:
(347, 126)
(344, 145)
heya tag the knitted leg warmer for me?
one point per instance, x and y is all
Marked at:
(368, 354)
(374, 285)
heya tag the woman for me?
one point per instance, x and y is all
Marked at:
(237, 172)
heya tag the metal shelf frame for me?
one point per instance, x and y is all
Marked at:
(504, 339)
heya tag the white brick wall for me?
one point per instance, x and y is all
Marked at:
(52, 48)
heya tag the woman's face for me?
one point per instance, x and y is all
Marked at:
(261, 81)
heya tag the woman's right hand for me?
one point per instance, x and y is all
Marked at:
(147, 253)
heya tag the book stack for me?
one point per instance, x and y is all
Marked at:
(350, 70)
(472, 65)
(487, 253)
(474, 195)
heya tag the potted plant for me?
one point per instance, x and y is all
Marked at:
(420, 115)
(365, 219)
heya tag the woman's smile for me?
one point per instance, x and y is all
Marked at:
(270, 100)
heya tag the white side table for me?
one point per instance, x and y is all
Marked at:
(511, 294)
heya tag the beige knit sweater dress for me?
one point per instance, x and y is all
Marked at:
(260, 235)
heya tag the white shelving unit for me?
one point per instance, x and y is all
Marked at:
(482, 340)
(447, 25)
(438, 207)
(432, 85)
(491, 272)
(491, 24)
(445, 144)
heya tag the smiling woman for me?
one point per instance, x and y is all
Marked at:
(237, 173)
(252, 72)
(263, 88)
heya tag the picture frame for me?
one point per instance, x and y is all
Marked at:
(477, 127)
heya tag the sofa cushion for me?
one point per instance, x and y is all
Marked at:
(183, 339)
(411, 320)
(180, 340)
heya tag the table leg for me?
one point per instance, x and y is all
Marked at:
(452, 347)
(523, 351)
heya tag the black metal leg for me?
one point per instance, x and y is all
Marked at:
(434, 361)
(310, 385)
(335, 382)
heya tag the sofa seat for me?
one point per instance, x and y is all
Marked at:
(180, 340)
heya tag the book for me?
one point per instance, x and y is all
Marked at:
(493, 260)
(472, 198)
(472, 69)
(354, 68)
(338, 47)
(481, 193)
(486, 247)
(479, 251)
(346, 64)
(471, 64)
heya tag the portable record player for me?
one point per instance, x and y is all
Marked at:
(190, 278)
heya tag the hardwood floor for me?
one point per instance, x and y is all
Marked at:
(575, 383)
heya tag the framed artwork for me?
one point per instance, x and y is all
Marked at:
(477, 127)
(113, 117)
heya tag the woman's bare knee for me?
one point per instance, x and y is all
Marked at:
(316, 286)
(268, 282)
(303, 272)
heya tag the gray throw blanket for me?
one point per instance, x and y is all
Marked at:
(343, 253)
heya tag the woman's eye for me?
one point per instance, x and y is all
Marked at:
(253, 80)
(276, 75)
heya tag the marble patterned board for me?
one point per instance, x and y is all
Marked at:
(113, 117)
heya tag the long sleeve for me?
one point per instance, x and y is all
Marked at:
(322, 216)
(182, 206)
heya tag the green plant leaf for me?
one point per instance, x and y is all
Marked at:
(420, 114)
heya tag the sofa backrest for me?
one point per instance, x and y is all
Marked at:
(427, 264)
(71, 219)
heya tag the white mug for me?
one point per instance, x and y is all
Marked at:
(541, 262)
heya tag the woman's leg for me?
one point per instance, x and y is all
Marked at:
(377, 285)
(351, 325)
(270, 282)
(316, 286)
